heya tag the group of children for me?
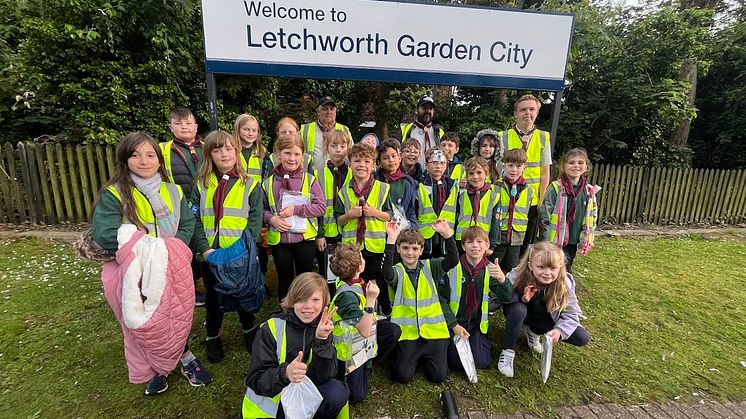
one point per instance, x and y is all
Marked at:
(417, 252)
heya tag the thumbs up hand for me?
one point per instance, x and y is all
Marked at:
(296, 370)
(495, 272)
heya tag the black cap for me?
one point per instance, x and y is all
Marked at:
(326, 100)
(426, 99)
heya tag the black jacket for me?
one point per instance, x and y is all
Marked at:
(267, 377)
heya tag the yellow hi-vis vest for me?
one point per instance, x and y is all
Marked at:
(426, 215)
(235, 211)
(418, 314)
(253, 167)
(312, 224)
(458, 173)
(559, 231)
(344, 352)
(539, 141)
(308, 134)
(455, 276)
(171, 195)
(520, 212)
(166, 151)
(326, 178)
(375, 229)
(484, 218)
(407, 128)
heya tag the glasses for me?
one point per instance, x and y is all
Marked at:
(411, 151)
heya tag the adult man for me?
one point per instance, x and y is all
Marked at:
(537, 146)
(423, 129)
(313, 134)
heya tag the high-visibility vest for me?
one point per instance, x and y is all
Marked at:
(308, 134)
(426, 210)
(253, 167)
(344, 352)
(171, 195)
(375, 229)
(166, 151)
(484, 218)
(326, 178)
(418, 314)
(455, 276)
(235, 211)
(406, 128)
(307, 160)
(539, 141)
(312, 223)
(520, 211)
(254, 405)
(458, 173)
(559, 231)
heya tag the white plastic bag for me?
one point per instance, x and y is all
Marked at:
(300, 400)
(546, 357)
(401, 218)
(467, 358)
(288, 198)
(363, 349)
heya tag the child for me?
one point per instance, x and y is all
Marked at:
(371, 140)
(410, 160)
(403, 187)
(355, 302)
(515, 202)
(466, 289)
(544, 300)
(254, 156)
(477, 204)
(417, 308)
(455, 170)
(138, 193)
(293, 252)
(569, 213)
(287, 126)
(362, 209)
(292, 345)
(485, 145)
(229, 201)
(436, 198)
(331, 178)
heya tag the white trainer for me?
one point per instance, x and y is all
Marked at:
(505, 364)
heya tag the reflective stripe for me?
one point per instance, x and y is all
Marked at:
(235, 210)
(312, 223)
(487, 203)
(538, 142)
(326, 179)
(253, 167)
(375, 229)
(254, 405)
(308, 134)
(455, 282)
(418, 313)
(344, 352)
(171, 195)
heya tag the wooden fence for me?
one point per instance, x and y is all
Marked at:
(55, 183)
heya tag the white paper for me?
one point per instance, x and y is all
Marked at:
(297, 224)
(363, 349)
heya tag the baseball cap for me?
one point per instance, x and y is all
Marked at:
(326, 100)
(426, 99)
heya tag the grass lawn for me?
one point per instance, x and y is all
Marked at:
(667, 318)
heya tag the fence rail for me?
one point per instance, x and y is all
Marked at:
(46, 183)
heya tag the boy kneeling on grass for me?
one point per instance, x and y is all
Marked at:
(417, 309)
(356, 301)
(466, 290)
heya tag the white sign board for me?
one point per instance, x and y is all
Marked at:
(387, 41)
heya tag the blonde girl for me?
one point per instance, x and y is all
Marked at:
(569, 213)
(544, 302)
(253, 155)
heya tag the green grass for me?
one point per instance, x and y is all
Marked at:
(667, 317)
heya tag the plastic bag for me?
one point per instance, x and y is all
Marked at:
(546, 357)
(467, 359)
(400, 218)
(363, 349)
(287, 198)
(300, 400)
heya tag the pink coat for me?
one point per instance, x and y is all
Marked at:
(150, 288)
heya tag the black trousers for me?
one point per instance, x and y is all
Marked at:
(432, 352)
(480, 349)
(570, 251)
(508, 256)
(291, 260)
(532, 229)
(374, 271)
(213, 313)
(517, 314)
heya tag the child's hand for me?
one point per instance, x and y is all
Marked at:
(462, 183)
(496, 272)
(488, 252)
(441, 227)
(528, 293)
(296, 370)
(392, 232)
(207, 252)
(287, 211)
(325, 326)
(459, 330)
(555, 335)
(371, 291)
(355, 212)
(321, 244)
(280, 224)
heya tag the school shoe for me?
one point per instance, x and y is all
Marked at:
(196, 374)
(248, 337)
(505, 363)
(214, 349)
(156, 385)
(533, 341)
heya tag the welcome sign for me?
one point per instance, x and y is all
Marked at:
(387, 41)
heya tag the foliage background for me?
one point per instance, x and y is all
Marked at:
(86, 71)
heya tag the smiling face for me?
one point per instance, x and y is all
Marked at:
(410, 156)
(476, 177)
(487, 147)
(544, 273)
(425, 113)
(184, 129)
(410, 253)
(327, 114)
(249, 133)
(449, 149)
(144, 161)
(575, 167)
(513, 171)
(224, 157)
(390, 160)
(475, 249)
(309, 309)
(362, 168)
(291, 158)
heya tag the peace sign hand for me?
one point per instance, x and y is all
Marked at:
(325, 326)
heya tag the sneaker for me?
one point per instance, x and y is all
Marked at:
(199, 299)
(505, 364)
(533, 341)
(156, 385)
(248, 337)
(214, 348)
(196, 374)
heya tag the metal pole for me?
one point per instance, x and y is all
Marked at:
(212, 98)
(555, 118)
